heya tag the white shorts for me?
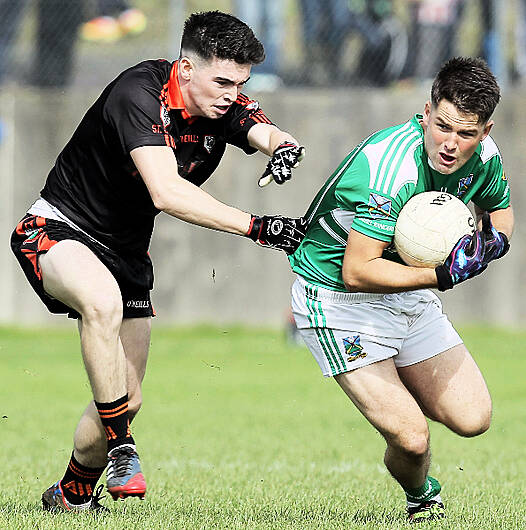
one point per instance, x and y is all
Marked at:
(345, 331)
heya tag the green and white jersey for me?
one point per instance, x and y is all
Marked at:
(372, 184)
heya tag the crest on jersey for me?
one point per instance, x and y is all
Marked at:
(353, 348)
(165, 116)
(253, 105)
(209, 142)
(379, 206)
(464, 184)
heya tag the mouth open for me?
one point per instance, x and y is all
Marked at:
(447, 159)
(222, 108)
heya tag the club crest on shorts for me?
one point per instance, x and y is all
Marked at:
(353, 348)
(209, 142)
(379, 206)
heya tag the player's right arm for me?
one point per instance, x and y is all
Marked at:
(179, 198)
(365, 271)
(176, 196)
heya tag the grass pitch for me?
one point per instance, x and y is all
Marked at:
(239, 430)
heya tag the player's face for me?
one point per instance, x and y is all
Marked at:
(450, 136)
(213, 86)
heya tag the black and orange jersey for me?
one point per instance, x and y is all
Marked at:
(94, 181)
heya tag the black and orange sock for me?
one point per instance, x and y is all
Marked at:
(79, 481)
(114, 418)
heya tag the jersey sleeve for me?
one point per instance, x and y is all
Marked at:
(134, 112)
(244, 114)
(375, 212)
(494, 193)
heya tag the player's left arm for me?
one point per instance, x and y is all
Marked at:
(364, 269)
(502, 220)
(497, 228)
(284, 150)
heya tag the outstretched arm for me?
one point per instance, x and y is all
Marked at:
(182, 199)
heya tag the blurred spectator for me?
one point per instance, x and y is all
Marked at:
(325, 27)
(435, 25)
(113, 20)
(56, 34)
(384, 38)
(519, 71)
(265, 17)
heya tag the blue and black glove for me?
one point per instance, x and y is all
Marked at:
(278, 232)
(496, 244)
(466, 260)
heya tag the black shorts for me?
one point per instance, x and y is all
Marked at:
(35, 235)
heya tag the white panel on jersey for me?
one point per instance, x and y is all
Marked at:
(375, 152)
(344, 218)
(408, 171)
(400, 178)
(331, 232)
(489, 149)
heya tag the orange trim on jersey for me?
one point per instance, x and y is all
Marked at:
(174, 96)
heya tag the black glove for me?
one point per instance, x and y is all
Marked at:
(465, 261)
(277, 232)
(285, 158)
(496, 244)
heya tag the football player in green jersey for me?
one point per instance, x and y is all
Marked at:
(370, 321)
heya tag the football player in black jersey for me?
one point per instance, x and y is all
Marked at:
(155, 134)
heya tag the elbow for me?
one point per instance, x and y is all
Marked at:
(352, 282)
(160, 200)
(159, 203)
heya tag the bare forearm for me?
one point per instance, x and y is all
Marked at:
(503, 220)
(266, 138)
(383, 276)
(193, 205)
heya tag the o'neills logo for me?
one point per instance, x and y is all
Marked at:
(138, 304)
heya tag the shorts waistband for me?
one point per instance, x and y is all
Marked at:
(321, 293)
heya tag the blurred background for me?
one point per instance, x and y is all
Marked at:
(336, 70)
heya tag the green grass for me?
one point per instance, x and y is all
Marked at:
(240, 431)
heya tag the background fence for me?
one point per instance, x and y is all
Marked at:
(308, 42)
(329, 94)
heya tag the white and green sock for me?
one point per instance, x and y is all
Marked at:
(429, 491)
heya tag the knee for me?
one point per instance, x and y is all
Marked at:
(472, 424)
(414, 444)
(103, 312)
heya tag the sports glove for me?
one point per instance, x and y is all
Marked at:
(285, 158)
(496, 244)
(277, 232)
(466, 260)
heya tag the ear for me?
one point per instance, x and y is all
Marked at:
(186, 68)
(426, 114)
(487, 129)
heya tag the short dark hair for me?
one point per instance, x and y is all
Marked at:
(216, 34)
(468, 83)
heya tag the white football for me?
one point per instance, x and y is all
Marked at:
(429, 226)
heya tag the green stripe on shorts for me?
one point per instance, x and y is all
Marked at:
(330, 348)
(316, 317)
